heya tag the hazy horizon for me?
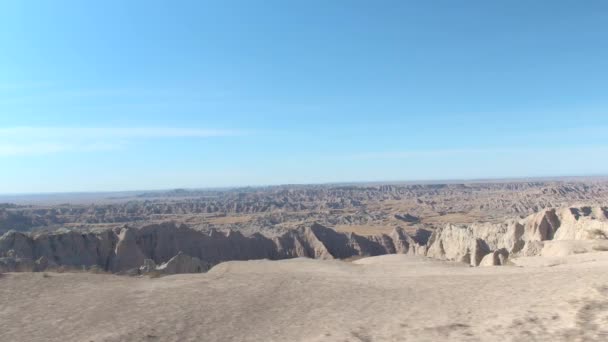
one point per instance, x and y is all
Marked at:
(117, 96)
(566, 178)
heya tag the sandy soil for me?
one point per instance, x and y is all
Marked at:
(386, 298)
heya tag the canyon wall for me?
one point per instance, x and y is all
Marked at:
(178, 248)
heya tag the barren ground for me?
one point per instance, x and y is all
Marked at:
(386, 298)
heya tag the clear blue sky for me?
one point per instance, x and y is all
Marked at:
(123, 95)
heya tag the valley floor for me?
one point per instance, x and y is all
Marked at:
(385, 298)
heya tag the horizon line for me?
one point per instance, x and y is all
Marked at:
(516, 179)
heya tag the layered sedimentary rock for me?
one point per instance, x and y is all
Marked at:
(537, 234)
(125, 249)
(274, 210)
(179, 249)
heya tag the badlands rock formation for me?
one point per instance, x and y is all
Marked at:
(535, 235)
(275, 210)
(180, 249)
(128, 249)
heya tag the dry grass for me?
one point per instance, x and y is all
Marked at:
(364, 229)
(229, 219)
(457, 218)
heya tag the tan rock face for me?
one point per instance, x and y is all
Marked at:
(496, 258)
(527, 237)
(129, 249)
(583, 223)
(457, 243)
(125, 249)
(542, 226)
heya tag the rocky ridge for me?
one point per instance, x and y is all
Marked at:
(280, 208)
(547, 233)
(127, 249)
(181, 249)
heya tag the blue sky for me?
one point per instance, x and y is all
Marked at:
(126, 95)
